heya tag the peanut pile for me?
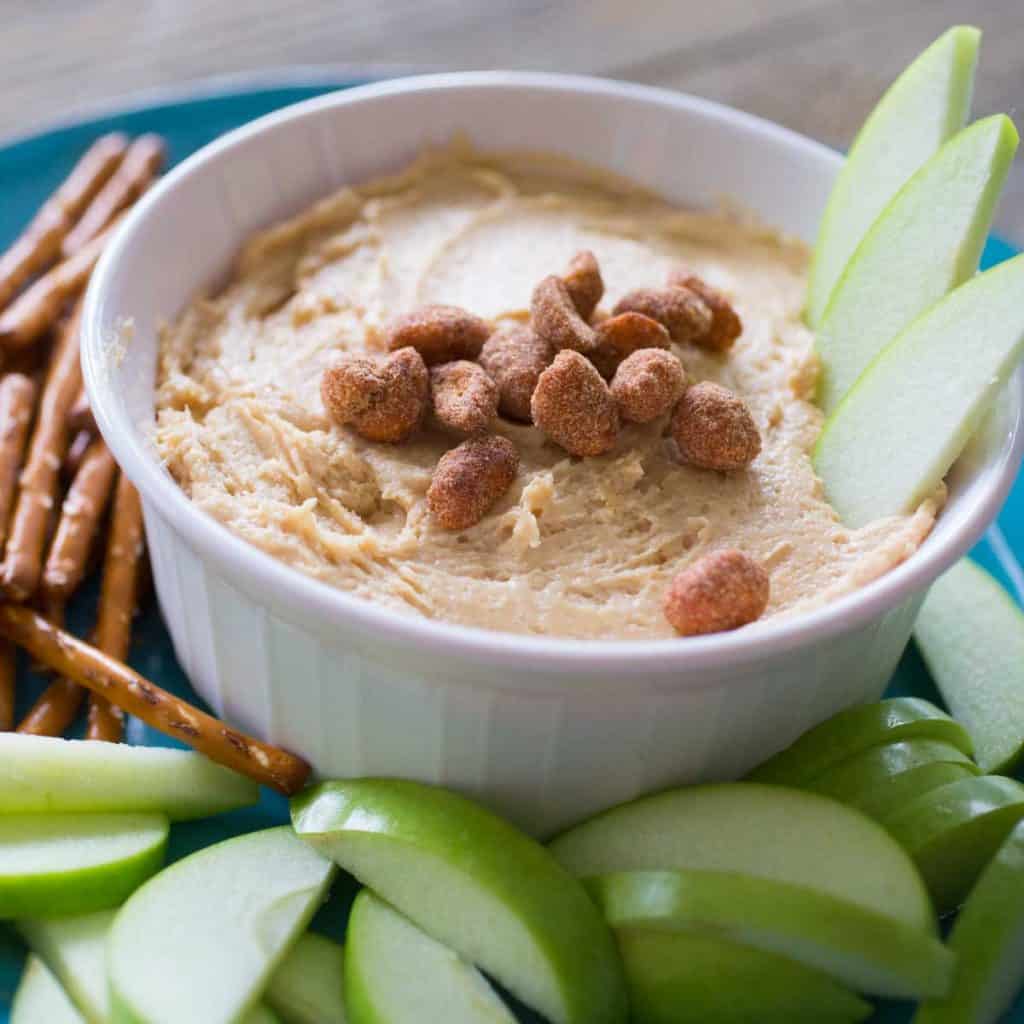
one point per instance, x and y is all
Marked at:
(577, 375)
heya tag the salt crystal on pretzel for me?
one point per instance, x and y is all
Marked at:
(142, 161)
(40, 243)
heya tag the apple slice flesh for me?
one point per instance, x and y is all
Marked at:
(225, 917)
(971, 635)
(397, 974)
(926, 242)
(858, 729)
(955, 830)
(988, 940)
(306, 988)
(47, 774)
(76, 863)
(475, 884)
(925, 106)
(866, 950)
(74, 948)
(734, 827)
(899, 430)
(689, 978)
(39, 998)
(864, 774)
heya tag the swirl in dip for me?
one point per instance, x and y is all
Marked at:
(577, 547)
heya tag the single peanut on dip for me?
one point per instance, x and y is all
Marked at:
(465, 399)
(584, 283)
(726, 325)
(554, 317)
(379, 401)
(574, 408)
(469, 479)
(514, 358)
(440, 334)
(721, 591)
(684, 315)
(647, 384)
(714, 428)
(620, 336)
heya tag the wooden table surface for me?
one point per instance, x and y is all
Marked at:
(814, 65)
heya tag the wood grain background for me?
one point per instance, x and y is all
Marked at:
(814, 65)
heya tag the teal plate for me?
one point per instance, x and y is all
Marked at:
(30, 169)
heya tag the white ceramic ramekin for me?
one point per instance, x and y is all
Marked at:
(544, 730)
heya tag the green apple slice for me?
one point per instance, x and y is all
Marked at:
(46, 774)
(857, 729)
(306, 988)
(926, 242)
(897, 791)
(687, 978)
(925, 106)
(955, 830)
(866, 773)
(896, 434)
(735, 827)
(971, 635)
(225, 917)
(988, 940)
(397, 974)
(74, 948)
(261, 1015)
(861, 948)
(39, 998)
(475, 884)
(75, 863)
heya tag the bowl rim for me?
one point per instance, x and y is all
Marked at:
(309, 600)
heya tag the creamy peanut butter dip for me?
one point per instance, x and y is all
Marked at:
(576, 548)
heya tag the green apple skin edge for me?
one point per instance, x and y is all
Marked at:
(954, 831)
(225, 916)
(55, 866)
(858, 729)
(898, 790)
(688, 978)
(904, 423)
(74, 948)
(475, 884)
(39, 998)
(971, 636)
(866, 950)
(925, 106)
(397, 974)
(734, 827)
(925, 243)
(306, 988)
(988, 940)
(48, 774)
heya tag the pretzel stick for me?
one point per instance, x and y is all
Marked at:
(56, 707)
(36, 310)
(40, 243)
(80, 517)
(140, 165)
(80, 415)
(37, 495)
(17, 404)
(76, 452)
(119, 592)
(101, 674)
